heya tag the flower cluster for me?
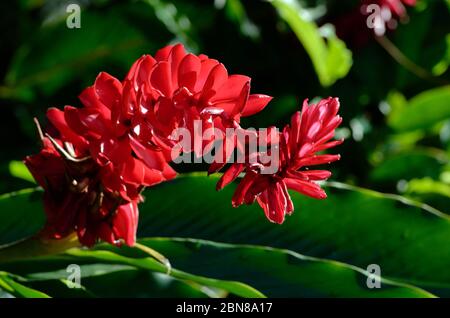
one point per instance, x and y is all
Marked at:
(97, 159)
(174, 89)
(298, 144)
(93, 168)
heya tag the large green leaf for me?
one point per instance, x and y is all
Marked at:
(274, 272)
(329, 55)
(423, 110)
(56, 55)
(356, 226)
(21, 215)
(42, 267)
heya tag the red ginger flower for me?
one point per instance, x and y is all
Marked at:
(102, 155)
(75, 199)
(175, 88)
(93, 169)
(310, 132)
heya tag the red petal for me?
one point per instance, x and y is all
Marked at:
(206, 66)
(231, 88)
(151, 158)
(328, 145)
(163, 54)
(108, 89)
(176, 56)
(242, 188)
(305, 187)
(230, 175)
(125, 223)
(316, 160)
(90, 99)
(216, 78)
(188, 71)
(140, 71)
(277, 204)
(289, 204)
(255, 104)
(56, 117)
(161, 79)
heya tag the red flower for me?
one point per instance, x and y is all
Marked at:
(175, 88)
(298, 145)
(76, 200)
(353, 27)
(93, 169)
(397, 7)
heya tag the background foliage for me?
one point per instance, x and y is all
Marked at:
(396, 126)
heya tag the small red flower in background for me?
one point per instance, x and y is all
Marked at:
(397, 7)
(360, 25)
(309, 133)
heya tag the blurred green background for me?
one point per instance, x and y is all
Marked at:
(396, 110)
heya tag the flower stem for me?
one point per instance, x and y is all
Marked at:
(408, 64)
(36, 246)
(156, 255)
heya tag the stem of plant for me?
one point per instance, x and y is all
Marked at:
(404, 61)
(156, 255)
(37, 246)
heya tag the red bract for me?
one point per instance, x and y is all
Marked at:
(93, 169)
(298, 144)
(175, 88)
(76, 200)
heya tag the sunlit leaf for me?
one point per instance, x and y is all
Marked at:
(423, 110)
(329, 55)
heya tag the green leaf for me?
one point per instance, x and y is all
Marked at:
(407, 165)
(428, 185)
(19, 170)
(80, 256)
(435, 193)
(106, 280)
(56, 55)
(423, 110)
(21, 215)
(329, 55)
(356, 226)
(274, 272)
(14, 288)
